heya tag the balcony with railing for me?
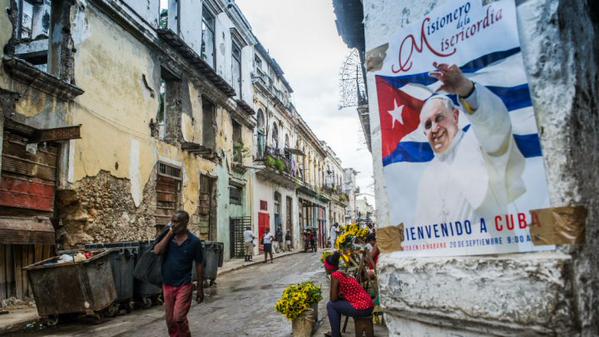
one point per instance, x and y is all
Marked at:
(279, 167)
(266, 83)
(335, 192)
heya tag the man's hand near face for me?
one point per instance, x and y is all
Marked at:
(160, 247)
(454, 81)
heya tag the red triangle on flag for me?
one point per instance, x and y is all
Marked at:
(399, 114)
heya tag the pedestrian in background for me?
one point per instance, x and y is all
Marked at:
(288, 240)
(179, 249)
(267, 242)
(313, 240)
(306, 240)
(335, 230)
(248, 243)
(279, 240)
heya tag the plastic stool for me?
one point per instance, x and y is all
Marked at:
(363, 326)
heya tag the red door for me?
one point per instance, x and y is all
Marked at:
(263, 224)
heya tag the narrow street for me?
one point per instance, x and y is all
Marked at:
(241, 304)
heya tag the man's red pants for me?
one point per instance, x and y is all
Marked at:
(177, 301)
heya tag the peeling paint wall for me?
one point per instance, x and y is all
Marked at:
(101, 209)
(533, 294)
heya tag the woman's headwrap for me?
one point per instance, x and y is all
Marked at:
(329, 266)
(331, 263)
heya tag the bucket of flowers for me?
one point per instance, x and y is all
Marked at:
(299, 303)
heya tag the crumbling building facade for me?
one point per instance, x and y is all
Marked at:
(115, 114)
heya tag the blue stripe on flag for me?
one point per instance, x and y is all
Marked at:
(529, 145)
(514, 98)
(470, 67)
(413, 152)
(418, 152)
(486, 60)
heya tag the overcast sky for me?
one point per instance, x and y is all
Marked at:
(302, 37)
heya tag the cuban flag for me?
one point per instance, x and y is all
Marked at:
(400, 100)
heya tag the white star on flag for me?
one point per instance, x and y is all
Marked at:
(396, 114)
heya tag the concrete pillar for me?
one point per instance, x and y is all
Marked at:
(532, 294)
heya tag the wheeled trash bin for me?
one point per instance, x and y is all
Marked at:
(85, 287)
(145, 292)
(122, 260)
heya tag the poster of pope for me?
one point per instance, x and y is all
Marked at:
(462, 158)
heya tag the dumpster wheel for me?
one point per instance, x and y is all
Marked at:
(51, 321)
(129, 306)
(146, 302)
(112, 310)
(97, 317)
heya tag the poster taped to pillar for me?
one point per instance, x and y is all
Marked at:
(461, 151)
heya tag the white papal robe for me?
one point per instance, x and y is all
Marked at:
(480, 174)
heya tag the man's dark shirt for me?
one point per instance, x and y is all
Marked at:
(178, 260)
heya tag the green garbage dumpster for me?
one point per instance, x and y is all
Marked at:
(85, 287)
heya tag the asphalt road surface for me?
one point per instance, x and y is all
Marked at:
(241, 304)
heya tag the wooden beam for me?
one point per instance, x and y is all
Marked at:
(27, 168)
(26, 200)
(10, 271)
(58, 134)
(18, 267)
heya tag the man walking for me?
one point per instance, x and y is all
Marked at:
(313, 240)
(335, 230)
(248, 243)
(179, 249)
(267, 242)
(279, 240)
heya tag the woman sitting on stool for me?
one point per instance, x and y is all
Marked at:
(347, 296)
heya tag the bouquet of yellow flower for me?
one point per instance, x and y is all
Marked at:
(298, 298)
(350, 234)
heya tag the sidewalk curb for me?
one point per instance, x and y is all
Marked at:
(253, 263)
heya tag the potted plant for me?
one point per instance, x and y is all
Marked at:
(280, 165)
(299, 303)
(270, 162)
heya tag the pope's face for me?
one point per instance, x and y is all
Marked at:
(440, 125)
